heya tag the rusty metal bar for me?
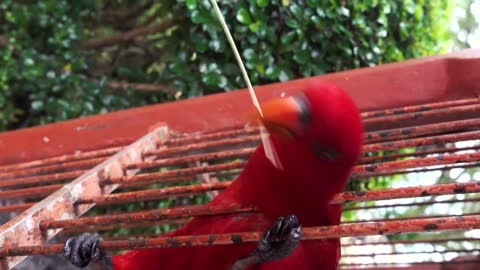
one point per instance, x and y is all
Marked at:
(377, 266)
(362, 170)
(16, 207)
(169, 180)
(365, 175)
(413, 241)
(166, 180)
(410, 218)
(384, 158)
(408, 192)
(22, 230)
(421, 130)
(42, 179)
(153, 194)
(129, 236)
(407, 252)
(151, 215)
(422, 114)
(30, 193)
(311, 233)
(432, 140)
(173, 173)
(215, 156)
(196, 138)
(114, 226)
(176, 150)
(84, 163)
(63, 158)
(420, 108)
(367, 207)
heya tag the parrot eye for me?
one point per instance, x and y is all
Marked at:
(326, 152)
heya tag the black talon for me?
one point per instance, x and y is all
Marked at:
(86, 249)
(281, 240)
(276, 243)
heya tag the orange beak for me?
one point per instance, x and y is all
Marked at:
(281, 116)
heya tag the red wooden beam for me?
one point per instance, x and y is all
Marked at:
(410, 82)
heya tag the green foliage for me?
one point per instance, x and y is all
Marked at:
(46, 76)
(283, 40)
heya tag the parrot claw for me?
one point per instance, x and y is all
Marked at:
(280, 240)
(277, 243)
(86, 249)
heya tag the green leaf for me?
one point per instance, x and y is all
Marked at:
(243, 16)
(297, 11)
(272, 72)
(249, 54)
(288, 37)
(292, 23)
(191, 4)
(254, 27)
(301, 57)
(262, 3)
(201, 16)
(284, 75)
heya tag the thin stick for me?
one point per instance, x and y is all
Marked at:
(237, 55)
(270, 152)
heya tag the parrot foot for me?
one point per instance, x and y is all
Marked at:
(86, 249)
(277, 243)
(281, 240)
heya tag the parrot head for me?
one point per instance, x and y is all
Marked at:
(320, 128)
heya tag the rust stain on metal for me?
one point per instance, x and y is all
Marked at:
(16, 207)
(30, 193)
(176, 150)
(81, 164)
(174, 173)
(414, 241)
(422, 114)
(417, 153)
(151, 215)
(309, 233)
(213, 136)
(432, 140)
(109, 227)
(367, 207)
(215, 156)
(154, 194)
(61, 159)
(408, 192)
(415, 163)
(42, 179)
(363, 176)
(421, 130)
(420, 108)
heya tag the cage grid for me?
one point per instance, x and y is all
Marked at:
(163, 179)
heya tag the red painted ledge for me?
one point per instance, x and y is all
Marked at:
(390, 85)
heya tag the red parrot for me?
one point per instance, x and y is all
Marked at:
(318, 137)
